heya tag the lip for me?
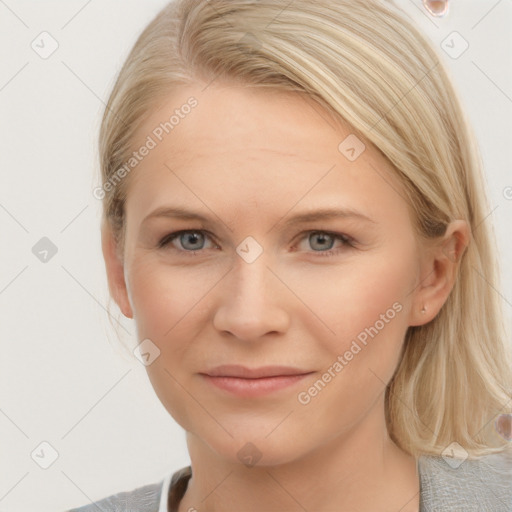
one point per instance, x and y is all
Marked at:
(237, 370)
(246, 382)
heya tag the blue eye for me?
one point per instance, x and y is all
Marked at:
(192, 241)
(186, 238)
(325, 235)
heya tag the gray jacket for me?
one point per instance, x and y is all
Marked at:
(476, 485)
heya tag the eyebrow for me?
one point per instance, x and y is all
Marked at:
(301, 218)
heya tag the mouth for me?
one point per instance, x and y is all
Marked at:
(242, 372)
(246, 382)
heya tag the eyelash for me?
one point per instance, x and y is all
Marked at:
(348, 243)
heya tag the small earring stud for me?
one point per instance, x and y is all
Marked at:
(438, 8)
(423, 310)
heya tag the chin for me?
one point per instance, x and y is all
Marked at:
(256, 450)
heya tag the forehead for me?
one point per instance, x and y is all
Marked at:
(252, 146)
(234, 118)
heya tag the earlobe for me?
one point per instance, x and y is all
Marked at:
(115, 272)
(440, 272)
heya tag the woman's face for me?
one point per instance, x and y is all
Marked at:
(251, 284)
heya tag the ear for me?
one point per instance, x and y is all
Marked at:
(115, 271)
(439, 268)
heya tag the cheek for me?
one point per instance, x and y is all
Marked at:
(363, 310)
(153, 299)
(166, 304)
(343, 300)
(163, 297)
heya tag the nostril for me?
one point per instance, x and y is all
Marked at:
(437, 8)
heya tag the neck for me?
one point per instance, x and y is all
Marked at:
(360, 469)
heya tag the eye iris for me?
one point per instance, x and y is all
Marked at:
(321, 236)
(192, 235)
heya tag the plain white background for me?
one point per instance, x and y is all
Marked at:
(64, 378)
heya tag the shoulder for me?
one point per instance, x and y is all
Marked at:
(141, 499)
(479, 484)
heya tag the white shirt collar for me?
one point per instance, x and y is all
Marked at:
(165, 491)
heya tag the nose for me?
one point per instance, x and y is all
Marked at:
(252, 301)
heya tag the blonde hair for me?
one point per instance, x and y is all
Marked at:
(367, 64)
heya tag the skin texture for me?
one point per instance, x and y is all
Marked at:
(250, 160)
